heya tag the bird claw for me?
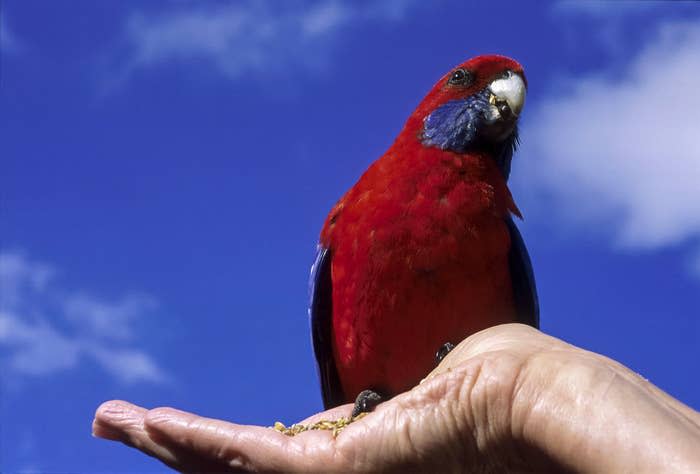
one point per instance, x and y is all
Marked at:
(365, 402)
(445, 349)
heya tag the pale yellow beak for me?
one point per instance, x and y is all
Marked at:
(510, 89)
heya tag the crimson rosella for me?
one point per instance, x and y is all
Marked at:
(422, 250)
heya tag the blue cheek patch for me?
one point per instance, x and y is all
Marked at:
(454, 125)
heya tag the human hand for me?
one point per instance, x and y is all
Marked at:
(508, 398)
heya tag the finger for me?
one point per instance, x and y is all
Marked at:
(525, 340)
(674, 404)
(115, 419)
(239, 447)
(680, 409)
(122, 421)
(516, 339)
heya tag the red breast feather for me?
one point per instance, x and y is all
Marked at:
(420, 250)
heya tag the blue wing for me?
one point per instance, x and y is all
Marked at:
(321, 318)
(524, 289)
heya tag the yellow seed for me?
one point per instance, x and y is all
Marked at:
(335, 426)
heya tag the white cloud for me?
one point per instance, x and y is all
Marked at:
(621, 151)
(109, 320)
(249, 36)
(35, 348)
(612, 29)
(129, 365)
(694, 264)
(601, 8)
(44, 330)
(324, 18)
(9, 43)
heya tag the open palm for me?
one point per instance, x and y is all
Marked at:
(506, 399)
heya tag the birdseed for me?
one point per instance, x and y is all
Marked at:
(336, 426)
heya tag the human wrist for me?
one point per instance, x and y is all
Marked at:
(590, 414)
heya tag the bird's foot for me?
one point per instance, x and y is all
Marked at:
(445, 349)
(365, 402)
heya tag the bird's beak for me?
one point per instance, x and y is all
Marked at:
(508, 95)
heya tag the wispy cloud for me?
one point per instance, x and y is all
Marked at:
(619, 151)
(248, 37)
(613, 29)
(9, 43)
(605, 8)
(45, 330)
(694, 264)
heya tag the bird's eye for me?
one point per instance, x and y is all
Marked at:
(460, 77)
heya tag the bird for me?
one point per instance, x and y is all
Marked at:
(422, 251)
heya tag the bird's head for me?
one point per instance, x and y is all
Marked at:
(474, 106)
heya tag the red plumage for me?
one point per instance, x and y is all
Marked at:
(420, 252)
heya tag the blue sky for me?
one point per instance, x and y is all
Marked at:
(166, 169)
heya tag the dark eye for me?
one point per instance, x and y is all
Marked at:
(460, 77)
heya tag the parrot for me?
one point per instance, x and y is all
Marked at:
(423, 251)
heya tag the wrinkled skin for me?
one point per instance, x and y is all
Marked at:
(508, 398)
